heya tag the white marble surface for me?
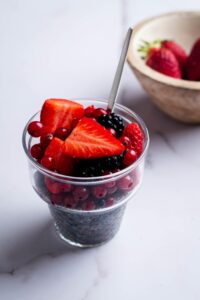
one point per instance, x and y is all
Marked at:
(70, 49)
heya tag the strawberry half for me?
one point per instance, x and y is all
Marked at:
(63, 163)
(60, 113)
(91, 140)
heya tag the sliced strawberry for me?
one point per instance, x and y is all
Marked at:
(60, 113)
(63, 163)
(91, 140)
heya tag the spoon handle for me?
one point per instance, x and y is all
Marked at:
(118, 74)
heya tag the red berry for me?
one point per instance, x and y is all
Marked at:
(67, 187)
(126, 183)
(80, 193)
(57, 199)
(69, 201)
(125, 141)
(62, 133)
(99, 112)
(129, 157)
(48, 162)
(37, 151)
(112, 131)
(35, 129)
(45, 139)
(53, 186)
(110, 201)
(88, 205)
(112, 190)
(89, 111)
(134, 133)
(99, 191)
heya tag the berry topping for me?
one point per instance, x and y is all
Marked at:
(99, 112)
(98, 167)
(89, 111)
(126, 183)
(37, 151)
(48, 162)
(125, 141)
(35, 129)
(69, 201)
(45, 139)
(62, 163)
(90, 140)
(99, 192)
(88, 205)
(57, 199)
(134, 133)
(62, 133)
(53, 186)
(110, 201)
(112, 190)
(58, 113)
(80, 193)
(112, 121)
(129, 157)
(112, 131)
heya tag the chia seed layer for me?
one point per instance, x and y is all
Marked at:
(87, 229)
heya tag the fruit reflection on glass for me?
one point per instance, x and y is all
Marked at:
(85, 162)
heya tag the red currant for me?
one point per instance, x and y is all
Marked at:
(45, 139)
(35, 129)
(80, 193)
(88, 205)
(99, 191)
(48, 162)
(126, 183)
(110, 201)
(112, 190)
(129, 157)
(99, 112)
(53, 186)
(57, 199)
(89, 111)
(37, 151)
(69, 201)
(125, 141)
(67, 187)
(62, 133)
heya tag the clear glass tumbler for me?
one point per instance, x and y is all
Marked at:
(85, 226)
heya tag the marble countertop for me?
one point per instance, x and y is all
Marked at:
(70, 49)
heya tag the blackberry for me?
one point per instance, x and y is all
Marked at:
(97, 167)
(112, 121)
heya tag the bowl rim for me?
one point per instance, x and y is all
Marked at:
(147, 71)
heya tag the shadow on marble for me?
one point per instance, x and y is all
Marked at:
(31, 243)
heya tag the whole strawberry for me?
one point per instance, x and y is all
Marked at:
(193, 63)
(177, 50)
(164, 61)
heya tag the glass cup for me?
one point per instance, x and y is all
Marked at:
(87, 211)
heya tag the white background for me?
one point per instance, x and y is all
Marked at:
(70, 49)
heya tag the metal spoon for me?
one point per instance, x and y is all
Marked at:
(118, 74)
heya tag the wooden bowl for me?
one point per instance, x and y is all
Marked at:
(178, 98)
